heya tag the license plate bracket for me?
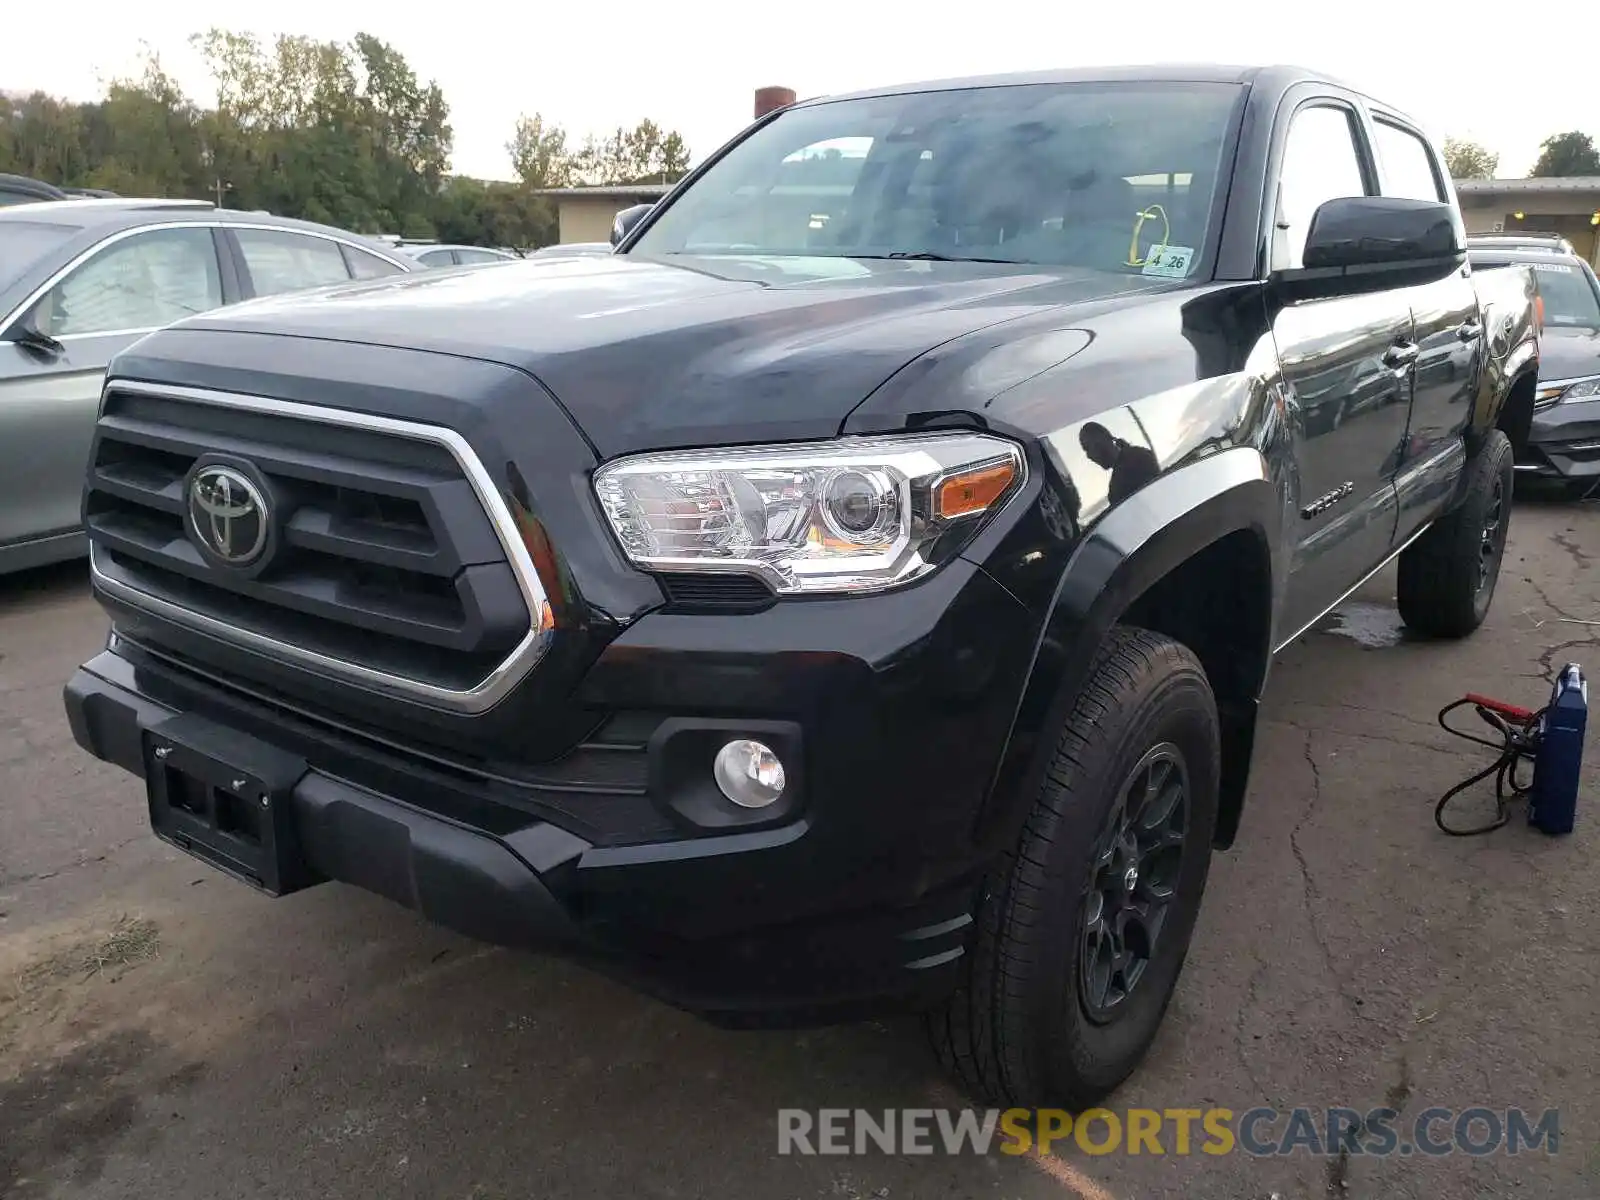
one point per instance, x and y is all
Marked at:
(227, 799)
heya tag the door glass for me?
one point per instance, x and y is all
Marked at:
(467, 255)
(141, 282)
(1320, 163)
(279, 261)
(368, 266)
(1407, 165)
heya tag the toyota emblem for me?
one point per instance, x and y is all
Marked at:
(228, 515)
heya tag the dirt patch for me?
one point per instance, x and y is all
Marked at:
(61, 1118)
(73, 1081)
(46, 977)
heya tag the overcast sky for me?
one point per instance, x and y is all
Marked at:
(692, 65)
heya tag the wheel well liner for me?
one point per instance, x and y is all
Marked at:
(1516, 414)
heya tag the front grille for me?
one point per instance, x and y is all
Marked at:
(386, 564)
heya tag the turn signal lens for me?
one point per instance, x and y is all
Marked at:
(973, 491)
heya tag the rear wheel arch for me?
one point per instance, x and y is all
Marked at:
(1192, 556)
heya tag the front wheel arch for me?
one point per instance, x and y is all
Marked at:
(1215, 525)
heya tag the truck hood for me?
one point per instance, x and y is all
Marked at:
(656, 353)
(1568, 352)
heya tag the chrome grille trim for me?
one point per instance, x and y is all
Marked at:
(479, 698)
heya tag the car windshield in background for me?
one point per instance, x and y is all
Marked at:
(24, 243)
(1567, 290)
(1082, 174)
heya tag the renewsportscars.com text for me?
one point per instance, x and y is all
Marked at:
(1179, 1131)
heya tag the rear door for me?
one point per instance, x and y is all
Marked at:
(1449, 337)
(1346, 368)
(126, 287)
(273, 261)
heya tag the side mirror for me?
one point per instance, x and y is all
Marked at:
(1362, 244)
(625, 220)
(25, 332)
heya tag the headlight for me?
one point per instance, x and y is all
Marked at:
(851, 515)
(1567, 389)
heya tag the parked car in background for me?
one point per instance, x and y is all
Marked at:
(570, 250)
(1552, 242)
(1561, 440)
(452, 256)
(81, 280)
(20, 189)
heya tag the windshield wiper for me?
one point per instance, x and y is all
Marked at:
(935, 256)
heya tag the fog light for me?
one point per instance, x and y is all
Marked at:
(749, 774)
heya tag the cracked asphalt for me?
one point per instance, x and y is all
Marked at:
(165, 1033)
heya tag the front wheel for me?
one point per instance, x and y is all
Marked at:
(1083, 927)
(1447, 576)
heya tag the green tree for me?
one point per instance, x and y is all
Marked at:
(1469, 160)
(643, 154)
(44, 139)
(1567, 154)
(339, 132)
(539, 153)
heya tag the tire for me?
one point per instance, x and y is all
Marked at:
(1018, 1031)
(1448, 575)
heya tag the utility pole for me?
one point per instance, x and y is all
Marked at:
(221, 185)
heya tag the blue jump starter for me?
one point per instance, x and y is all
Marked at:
(1558, 761)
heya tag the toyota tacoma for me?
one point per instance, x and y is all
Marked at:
(857, 590)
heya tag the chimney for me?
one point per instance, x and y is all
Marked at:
(770, 98)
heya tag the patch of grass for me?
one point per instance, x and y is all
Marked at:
(131, 940)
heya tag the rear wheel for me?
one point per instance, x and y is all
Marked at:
(1448, 575)
(1083, 928)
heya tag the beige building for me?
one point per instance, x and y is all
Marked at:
(1570, 207)
(585, 213)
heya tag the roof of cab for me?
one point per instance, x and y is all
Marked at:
(1279, 76)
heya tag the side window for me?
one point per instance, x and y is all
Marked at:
(141, 282)
(1406, 164)
(435, 258)
(280, 261)
(1320, 163)
(478, 256)
(368, 266)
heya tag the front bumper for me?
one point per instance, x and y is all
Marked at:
(1564, 442)
(860, 899)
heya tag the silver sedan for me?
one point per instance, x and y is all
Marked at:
(81, 280)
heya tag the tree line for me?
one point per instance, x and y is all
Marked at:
(342, 133)
(1560, 155)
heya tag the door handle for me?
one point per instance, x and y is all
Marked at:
(1469, 331)
(1401, 354)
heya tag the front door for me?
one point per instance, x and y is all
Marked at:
(1450, 340)
(48, 405)
(1346, 365)
(50, 397)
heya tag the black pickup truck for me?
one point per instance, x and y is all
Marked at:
(858, 589)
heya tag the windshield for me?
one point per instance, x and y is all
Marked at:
(1085, 174)
(23, 243)
(1568, 292)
